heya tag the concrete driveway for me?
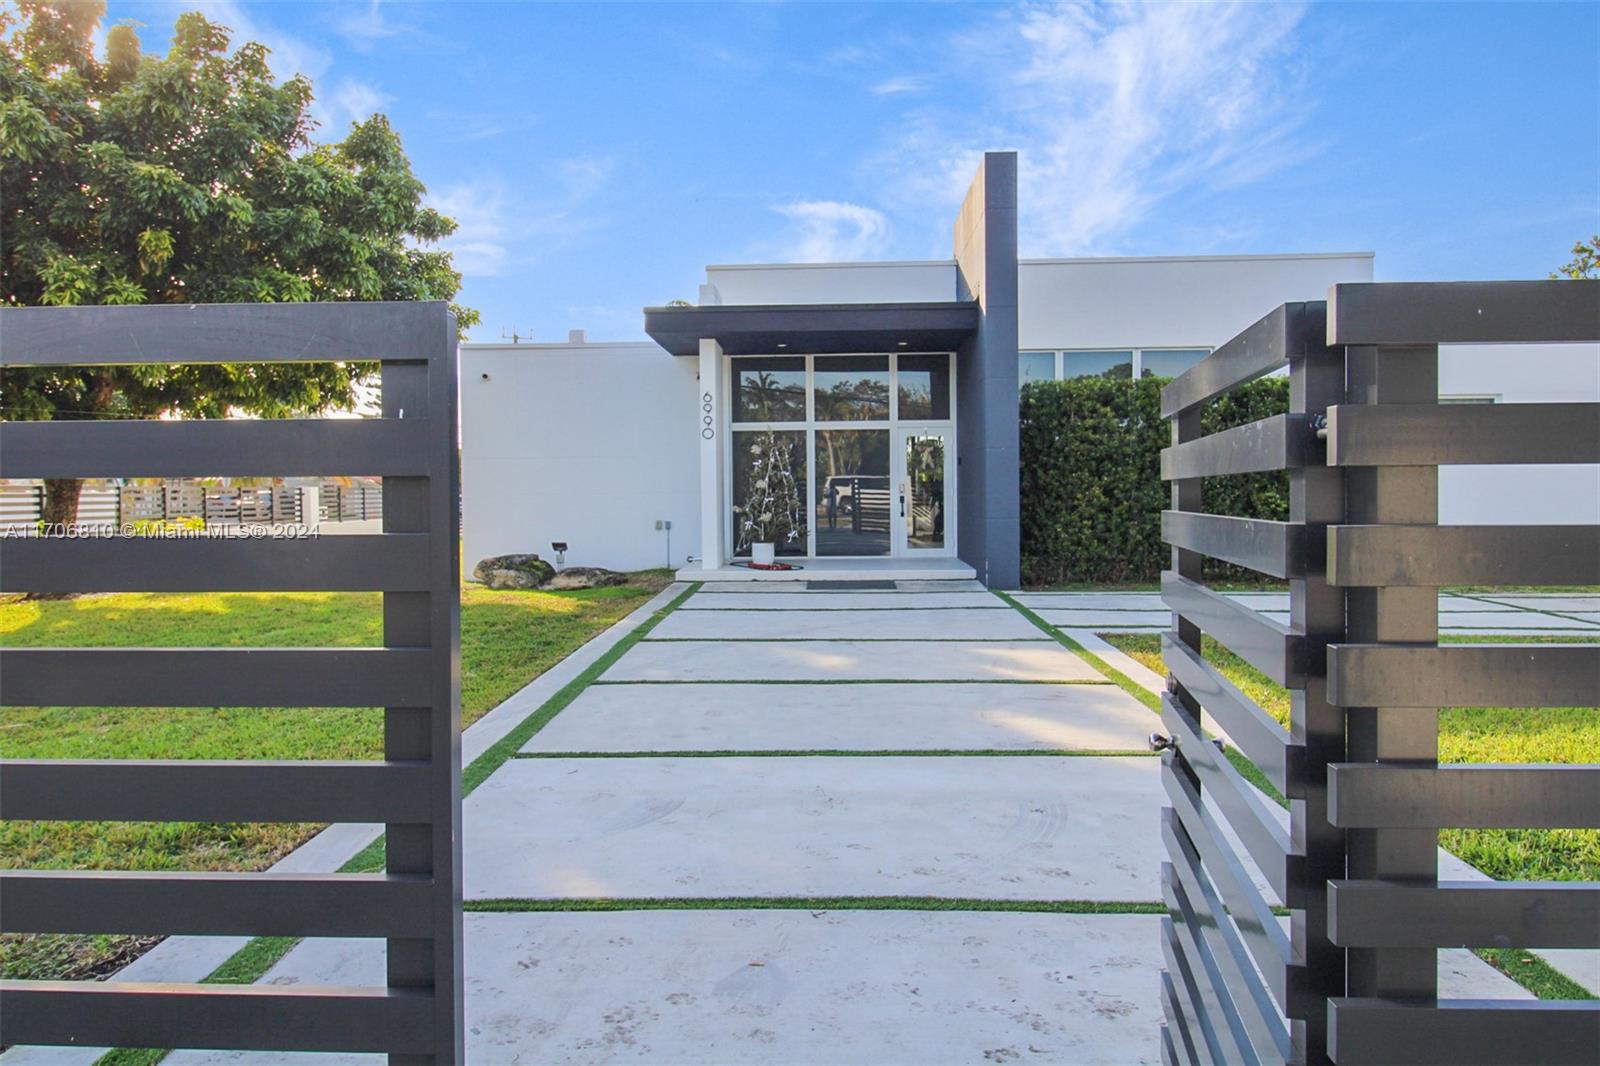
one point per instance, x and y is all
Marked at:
(818, 827)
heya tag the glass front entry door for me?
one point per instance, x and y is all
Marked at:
(850, 476)
(923, 463)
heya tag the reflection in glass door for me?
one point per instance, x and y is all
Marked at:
(851, 480)
(922, 502)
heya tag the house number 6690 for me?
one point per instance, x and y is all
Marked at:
(706, 418)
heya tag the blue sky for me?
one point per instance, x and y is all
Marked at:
(597, 156)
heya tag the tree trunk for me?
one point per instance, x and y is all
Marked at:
(60, 508)
(59, 512)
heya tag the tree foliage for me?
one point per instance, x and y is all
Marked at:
(191, 178)
(1585, 260)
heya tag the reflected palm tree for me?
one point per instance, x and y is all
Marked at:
(772, 398)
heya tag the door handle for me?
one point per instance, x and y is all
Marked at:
(902, 504)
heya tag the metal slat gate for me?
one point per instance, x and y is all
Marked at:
(415, 790)
(1353, 979)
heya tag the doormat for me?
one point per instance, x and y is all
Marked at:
(850, 586)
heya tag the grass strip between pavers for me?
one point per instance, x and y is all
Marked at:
(812, 903)
(860, 681)
(1548, 612)
(847, 640)
(251, 962)
(1247, 769)
(840, 610)
(1533, 973)
(852, 753)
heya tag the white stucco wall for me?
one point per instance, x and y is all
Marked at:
(832, 283)
(1167, 302)
(1520, 495)
(584, 443)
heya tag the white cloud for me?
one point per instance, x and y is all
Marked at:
(481, 244)
(363, 25)
(827, 231)
(1113, 108)
(290, 55)
(499, 230)
(347, 101)
(901, 86)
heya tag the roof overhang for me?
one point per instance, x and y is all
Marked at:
(800, 329)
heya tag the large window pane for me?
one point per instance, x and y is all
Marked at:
(1116, 365)
(769, 389)
(924, 386)
(851, 388)
(769, 490)
(1035, 366)
(1168, 362)
(851, 482)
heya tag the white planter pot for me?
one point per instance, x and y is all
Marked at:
(763, 554)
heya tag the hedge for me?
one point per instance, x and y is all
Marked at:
(1092, 493)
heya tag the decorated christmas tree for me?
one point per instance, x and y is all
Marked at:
(771, 512)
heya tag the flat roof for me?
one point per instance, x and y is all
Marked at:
(835, 264)
(801, 329)
(1035, 260)
(1198, 258)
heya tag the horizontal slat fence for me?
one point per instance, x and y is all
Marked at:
(414, 905)
(1353, 979)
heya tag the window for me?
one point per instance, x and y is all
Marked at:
(924, 386)
(769, 389)
(1035, 366)
(1115, 365)
(777, 458)
(1168, 362)
(851, 388)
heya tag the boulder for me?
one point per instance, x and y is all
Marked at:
(510, 579)
(585, 577)
(513, 571)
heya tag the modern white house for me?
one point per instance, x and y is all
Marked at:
(889, 391)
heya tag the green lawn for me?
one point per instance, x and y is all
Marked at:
(507, 639)
(1466, 735)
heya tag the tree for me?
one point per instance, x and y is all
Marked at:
(189, 178)
(1585, 261)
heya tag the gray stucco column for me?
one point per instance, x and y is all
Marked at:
(986, 376)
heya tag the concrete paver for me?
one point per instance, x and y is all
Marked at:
(890, 987)
(844, 601)
(1510, 621)
(1108, 621)
(850, 661)
(847, 717)
(1576, 602)
(848, 625)
(999, 827)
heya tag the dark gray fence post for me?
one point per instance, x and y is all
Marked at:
(1393, 614)
(1316, 727)
(415, 904)
(425, 391)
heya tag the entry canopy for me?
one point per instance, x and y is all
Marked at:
(801, 329)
